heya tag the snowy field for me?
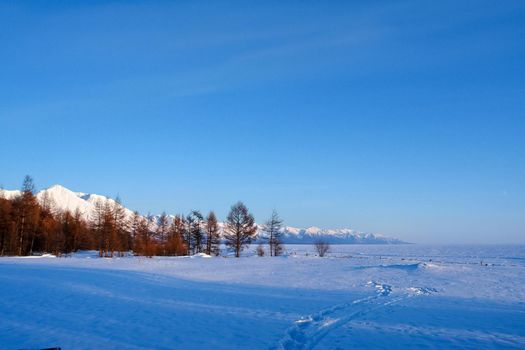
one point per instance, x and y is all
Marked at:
(359, 297)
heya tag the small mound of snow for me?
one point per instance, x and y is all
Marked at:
(381, 288)
(201, 255)
(407, 267)
(432, 266)
(421, 290)
(38, 256)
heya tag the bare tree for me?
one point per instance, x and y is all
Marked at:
(260, 250)
(102, 224)
(48, 233)
(322, 247)
(272, 228)
(278, 248)
(6, 226)
(27, 214)
(240, 228)
(81, 239)
(212, 235)
(119, 241)
(144, 243)
(162, 231)
(57, 232)
(111, 227)
(195, 234)
(175, 244)
(134, 227)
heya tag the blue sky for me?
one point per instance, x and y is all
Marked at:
(404, 118)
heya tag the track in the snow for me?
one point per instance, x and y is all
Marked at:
(308, 331)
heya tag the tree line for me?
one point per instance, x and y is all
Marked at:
(29, 226)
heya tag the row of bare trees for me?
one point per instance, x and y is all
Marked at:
(29, 226)
(185, 235)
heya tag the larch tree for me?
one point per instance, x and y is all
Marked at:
(69, 231)
(149, 235)
(57, 230)
(73, 229)
(212, 235)
(240, 228)
(144, 241)
(102, 224)
(134, 226)
(162, 231)
(48, 230)
(27, 213)
(119, 236)
(195, 221)
(188, 223)
(175, 244)
(272, 228)
(7, 232)
(82, 238)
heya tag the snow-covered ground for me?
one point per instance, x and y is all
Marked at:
(360, 297)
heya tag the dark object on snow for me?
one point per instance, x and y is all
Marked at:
(322, 247)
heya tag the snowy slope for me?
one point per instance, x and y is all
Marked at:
(65, 199)
(9, 194)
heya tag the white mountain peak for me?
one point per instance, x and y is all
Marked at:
(9, 194)
(313, 230)
(57, 187)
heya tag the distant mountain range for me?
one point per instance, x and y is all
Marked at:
(294, 235)
(65, 199)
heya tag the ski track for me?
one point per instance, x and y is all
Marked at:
(308, 332)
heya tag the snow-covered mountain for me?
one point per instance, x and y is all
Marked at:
(67, 200)
(9, 194)
(294, 235)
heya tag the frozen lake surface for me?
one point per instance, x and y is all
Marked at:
(373, 297)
